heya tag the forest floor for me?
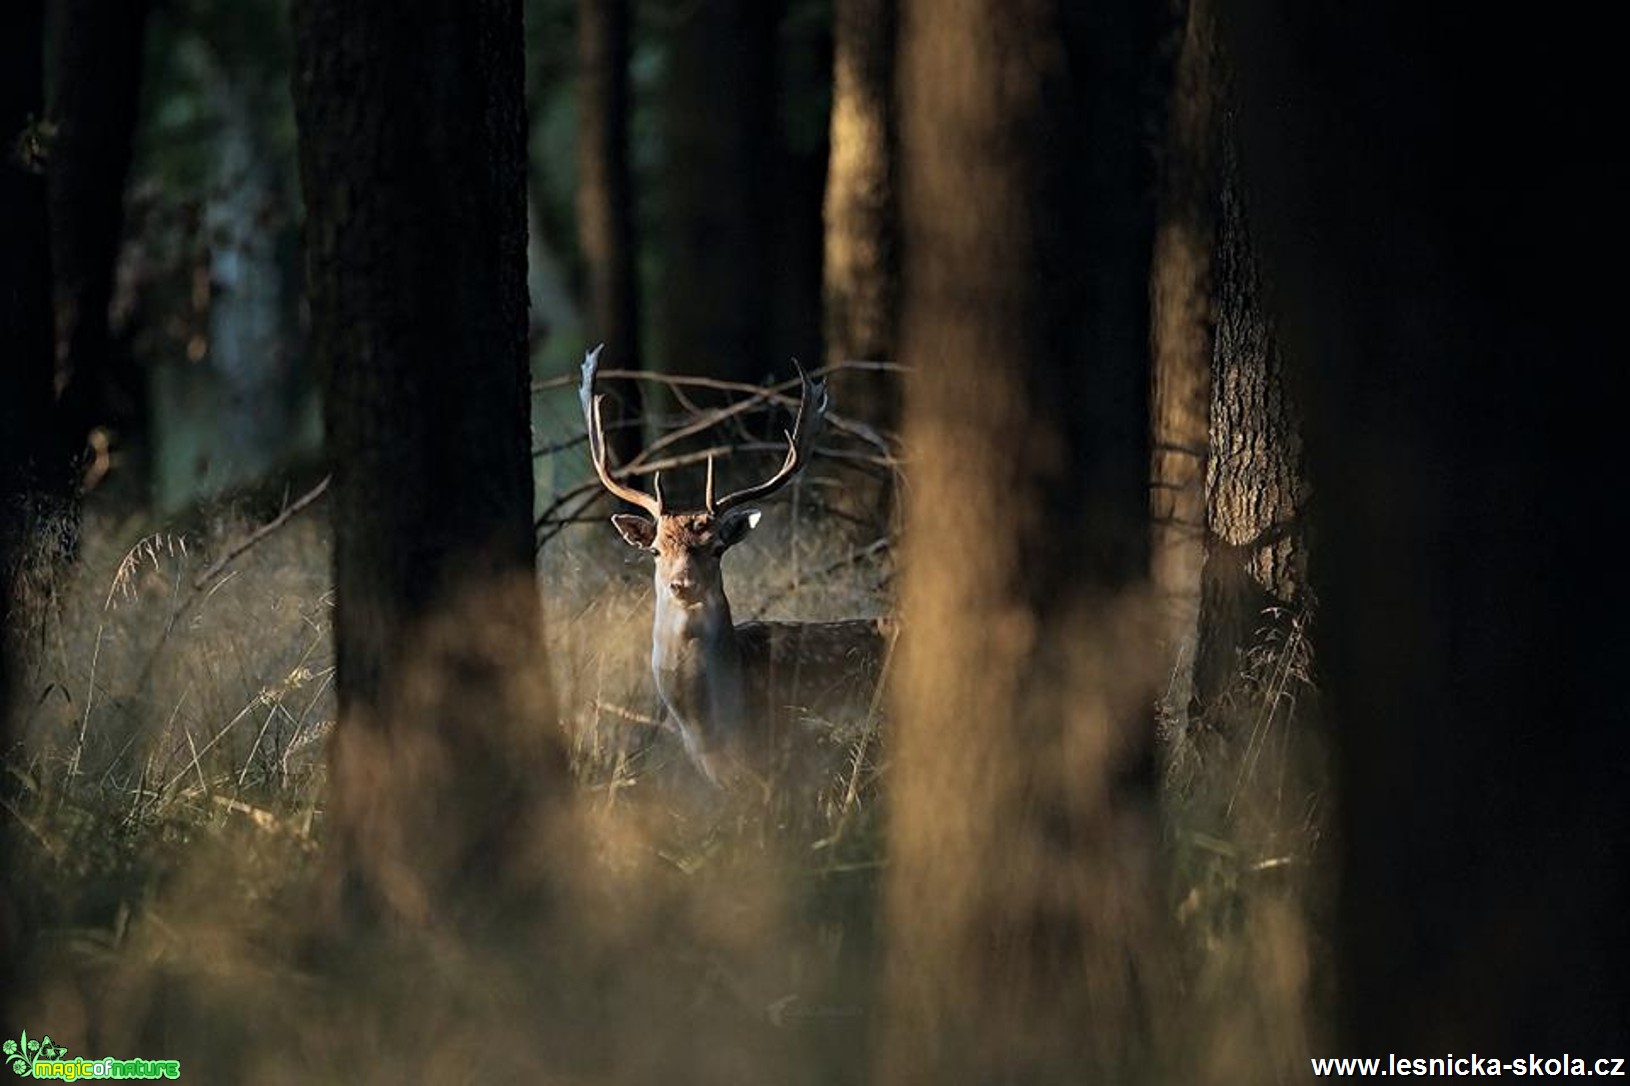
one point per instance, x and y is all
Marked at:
(169, 819)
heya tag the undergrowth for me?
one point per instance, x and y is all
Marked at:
(167, 801)
(1246, 796)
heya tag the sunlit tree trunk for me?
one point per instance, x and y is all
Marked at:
(97, 80)
(1022, 905)
(861, 267)
(1434, 229)
(720, 128)
(1257, 492)
(606, 212)
(1183, 313)
(413, 162)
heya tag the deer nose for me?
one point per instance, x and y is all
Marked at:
(683, 587)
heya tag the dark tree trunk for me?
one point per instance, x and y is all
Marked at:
(25, 261)
(1255, 574)
(25, 375)
(1435, 230)
(97, 84)
(606, 212)
(721, 129)
(803, 79)
(1022, 905)
(413, 161)
(1183, 313)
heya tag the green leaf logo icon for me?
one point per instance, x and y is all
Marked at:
(17, 1055)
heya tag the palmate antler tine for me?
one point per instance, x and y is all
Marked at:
(812, 404)
(597, 440)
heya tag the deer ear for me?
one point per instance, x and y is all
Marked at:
(734, 526)
(637, 531)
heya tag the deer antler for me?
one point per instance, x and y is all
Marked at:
(597, 441)
(812, 403)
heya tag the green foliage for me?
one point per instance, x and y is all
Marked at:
(192, 46)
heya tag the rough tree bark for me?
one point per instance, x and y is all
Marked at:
(1183, 312)
(1021, 901)
(413, 161)
(606, 210)
(1441, 300)
(96, 87)
(720, 128)
(1257, 492)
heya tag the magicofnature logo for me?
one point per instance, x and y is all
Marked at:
(22, 1053)
(42, 1059)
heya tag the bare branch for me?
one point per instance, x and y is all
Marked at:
(219, 566)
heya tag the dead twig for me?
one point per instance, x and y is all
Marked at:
(288, 513)
(878, 453)
(778, 393)
(569, 380)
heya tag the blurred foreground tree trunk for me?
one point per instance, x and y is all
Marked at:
(1255, 573)
(413, 161)
(1183, 314)
(720, 126)
(862, 266)
(25, 374)
(1023, 907)
(1436, 233)
(606, 209)
(97, 79)
(861, 269)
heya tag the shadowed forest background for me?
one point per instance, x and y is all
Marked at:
(1221, 433)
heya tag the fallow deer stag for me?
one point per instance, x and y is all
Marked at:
(736, 694)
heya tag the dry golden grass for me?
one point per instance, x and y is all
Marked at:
(1247, 806)
(168, 806)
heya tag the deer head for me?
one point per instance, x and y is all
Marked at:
(688, 545)
(720, 683)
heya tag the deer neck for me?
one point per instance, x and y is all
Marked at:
(696, 660)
